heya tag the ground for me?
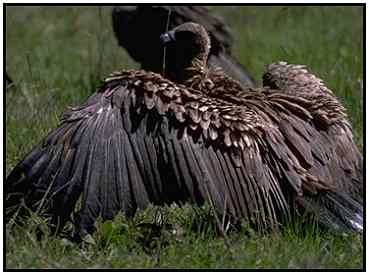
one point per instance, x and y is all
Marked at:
(57, 55)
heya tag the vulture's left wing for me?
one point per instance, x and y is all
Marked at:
(336, 158)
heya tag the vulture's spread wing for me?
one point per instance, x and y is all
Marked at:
(142, 139)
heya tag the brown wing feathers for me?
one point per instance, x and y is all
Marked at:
(116, 165)
(139, 122)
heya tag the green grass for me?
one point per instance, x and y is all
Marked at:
(181, 238)
(57, 55)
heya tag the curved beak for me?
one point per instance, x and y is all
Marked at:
(167, 37)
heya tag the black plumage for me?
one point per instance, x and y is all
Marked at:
(136, 27)
(256, 154)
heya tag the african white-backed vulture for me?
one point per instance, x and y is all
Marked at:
(256, 154)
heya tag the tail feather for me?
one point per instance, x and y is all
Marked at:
(335, 211)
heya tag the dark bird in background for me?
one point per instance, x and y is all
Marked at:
(254, 154)
(8, 81)
(138, 28)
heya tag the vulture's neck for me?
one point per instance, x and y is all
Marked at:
(196, 68)
(196, 73)
(190, 72)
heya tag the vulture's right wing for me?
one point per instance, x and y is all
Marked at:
(142, 139)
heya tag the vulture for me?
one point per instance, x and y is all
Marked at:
(135, 27)
(258, 155)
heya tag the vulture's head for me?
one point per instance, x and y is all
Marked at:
(187, 50)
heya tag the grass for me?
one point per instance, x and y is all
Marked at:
(181, 238)
(56, 56)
